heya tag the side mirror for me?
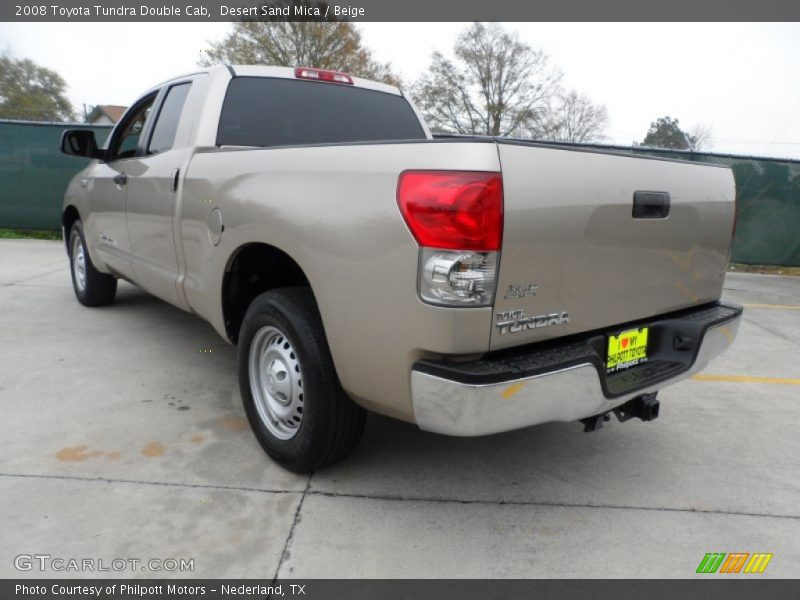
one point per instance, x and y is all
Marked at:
(80, 142)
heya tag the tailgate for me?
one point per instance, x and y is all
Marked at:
(574, 256)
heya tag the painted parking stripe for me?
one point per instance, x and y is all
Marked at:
(746, 379)
(777, 306)
(513, 389)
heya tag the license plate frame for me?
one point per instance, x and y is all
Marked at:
(626, 349)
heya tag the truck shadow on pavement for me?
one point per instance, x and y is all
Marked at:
(674, 463)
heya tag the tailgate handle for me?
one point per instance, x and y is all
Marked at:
(650, 205)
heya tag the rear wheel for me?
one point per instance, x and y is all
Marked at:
(92, 288)
(296, 406)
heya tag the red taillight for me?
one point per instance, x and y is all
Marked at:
(457, 210)
(322, 75)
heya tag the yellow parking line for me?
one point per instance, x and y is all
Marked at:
(780, 306)
(513, 389)
(746, 379)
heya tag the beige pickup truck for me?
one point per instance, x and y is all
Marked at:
(468, 285)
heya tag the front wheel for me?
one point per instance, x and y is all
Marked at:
(92, 288)
(296, 406)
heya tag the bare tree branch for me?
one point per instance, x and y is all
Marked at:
(327, 45)
(702, 136)
(569, 117)
(492, 87)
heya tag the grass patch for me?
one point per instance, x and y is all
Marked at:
(764, 269)
(30, 234)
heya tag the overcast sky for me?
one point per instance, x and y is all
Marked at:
(742, 80)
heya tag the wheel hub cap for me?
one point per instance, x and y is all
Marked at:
(276, 382)
(78, 263)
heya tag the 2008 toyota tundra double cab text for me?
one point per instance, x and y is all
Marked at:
(468, 285)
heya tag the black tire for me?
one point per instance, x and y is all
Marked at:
(98, 289)
(330, 424)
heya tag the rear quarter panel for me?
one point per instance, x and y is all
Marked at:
(333, 209)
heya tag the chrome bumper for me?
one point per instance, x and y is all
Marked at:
(447, 406)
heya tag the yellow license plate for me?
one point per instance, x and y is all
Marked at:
(626, 349)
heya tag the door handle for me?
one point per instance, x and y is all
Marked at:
(121, 179)
(175, 174)
(650, 205)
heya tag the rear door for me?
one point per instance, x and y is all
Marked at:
(578, 256)
(153, 179)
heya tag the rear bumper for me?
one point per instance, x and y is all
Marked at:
(564, 380)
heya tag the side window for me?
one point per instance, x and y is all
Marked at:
(124, 145)
(169, 116)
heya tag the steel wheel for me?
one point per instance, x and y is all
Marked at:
(291, 395)
(92, 287)
(78, 262)
(276, 381)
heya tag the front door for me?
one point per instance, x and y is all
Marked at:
(106, 191)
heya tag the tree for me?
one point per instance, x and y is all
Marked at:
(32, 92)
(325, 45)
(702, 136)
(569, 117)
(494, 86)
(665, 132)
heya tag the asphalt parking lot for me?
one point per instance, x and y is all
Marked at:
(124, 437)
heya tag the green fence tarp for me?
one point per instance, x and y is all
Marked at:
(34, 175)
(768, 211)
(767, 206)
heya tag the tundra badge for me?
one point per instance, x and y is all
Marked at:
(513, 321)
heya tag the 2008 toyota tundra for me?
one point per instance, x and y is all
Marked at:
(469, 285)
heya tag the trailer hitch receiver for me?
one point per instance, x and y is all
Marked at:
(644, 407)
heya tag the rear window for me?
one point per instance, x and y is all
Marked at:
(261, 111)
(168, 118)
